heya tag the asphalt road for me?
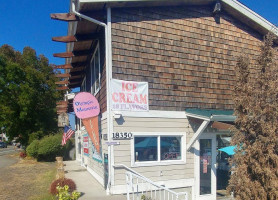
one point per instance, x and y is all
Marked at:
(5, 159)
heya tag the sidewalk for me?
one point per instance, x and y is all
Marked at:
(86, 184)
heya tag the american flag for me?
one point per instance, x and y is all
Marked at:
(67, 134)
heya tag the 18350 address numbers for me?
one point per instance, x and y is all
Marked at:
(122, 135)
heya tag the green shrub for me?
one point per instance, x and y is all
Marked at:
(64, 194)
(32, 149)
(50, 147)
(35, 136)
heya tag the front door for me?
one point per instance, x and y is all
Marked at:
(205, 171)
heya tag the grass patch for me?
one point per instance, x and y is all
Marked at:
(27, 179)
(42, 184)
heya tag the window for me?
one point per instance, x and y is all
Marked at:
(95, 71)
(170, 148)
(83, 85)
(145, 149)
(158, 149)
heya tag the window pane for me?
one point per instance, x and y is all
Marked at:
(92, 76)
(97, 75)
(205, 166)
(88, 78)
(170, 148)
(145, 149)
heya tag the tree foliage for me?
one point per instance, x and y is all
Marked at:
(255, 164)
(27, 94)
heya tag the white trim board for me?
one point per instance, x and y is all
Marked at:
(154, 114)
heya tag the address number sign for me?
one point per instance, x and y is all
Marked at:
(122, 135)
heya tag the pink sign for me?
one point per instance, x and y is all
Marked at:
(85, 105)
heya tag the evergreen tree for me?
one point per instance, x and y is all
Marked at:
(255, 164)
(27, 94)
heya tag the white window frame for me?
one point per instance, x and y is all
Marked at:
(159, 161)
(95, 89)
(83, 85)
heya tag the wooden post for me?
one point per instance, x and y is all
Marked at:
(60, 168)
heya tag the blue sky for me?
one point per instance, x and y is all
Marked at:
(27, 23)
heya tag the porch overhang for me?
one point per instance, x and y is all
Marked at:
(225, 116)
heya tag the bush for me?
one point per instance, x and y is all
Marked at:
(63, 193)
(62, 182)
(32, 149)
(35, 136)
(50, 147)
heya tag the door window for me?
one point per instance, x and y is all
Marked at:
(205, 166)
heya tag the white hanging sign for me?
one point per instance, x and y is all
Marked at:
(129, 95)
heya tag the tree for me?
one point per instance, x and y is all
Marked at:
(255, 164)
(27, 94)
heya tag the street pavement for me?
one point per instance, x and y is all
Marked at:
(5, 159)
(86, 184)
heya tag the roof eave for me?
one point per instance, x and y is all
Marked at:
(236, 6)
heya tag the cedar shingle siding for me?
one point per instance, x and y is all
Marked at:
(187, 58)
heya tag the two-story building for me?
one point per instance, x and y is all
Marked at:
(163, 73)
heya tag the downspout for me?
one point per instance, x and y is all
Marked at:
(108, 63)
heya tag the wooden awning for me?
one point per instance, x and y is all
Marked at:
(83, 42)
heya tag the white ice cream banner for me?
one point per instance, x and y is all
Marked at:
(130, 95)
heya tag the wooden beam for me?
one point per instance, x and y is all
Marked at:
(66, 66)
(62, 75)
(78, 64)
(72, 54)
(62, 103)
(77, 69)
(76, 77)
(61, 82)
(61, 111)
(76, 73)
(68, 38)
(63, 55)
(75, 83)
(76, 38)
(62, 88)
(62, 106)
(68, 17)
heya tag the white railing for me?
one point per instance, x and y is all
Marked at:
(139, 187)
